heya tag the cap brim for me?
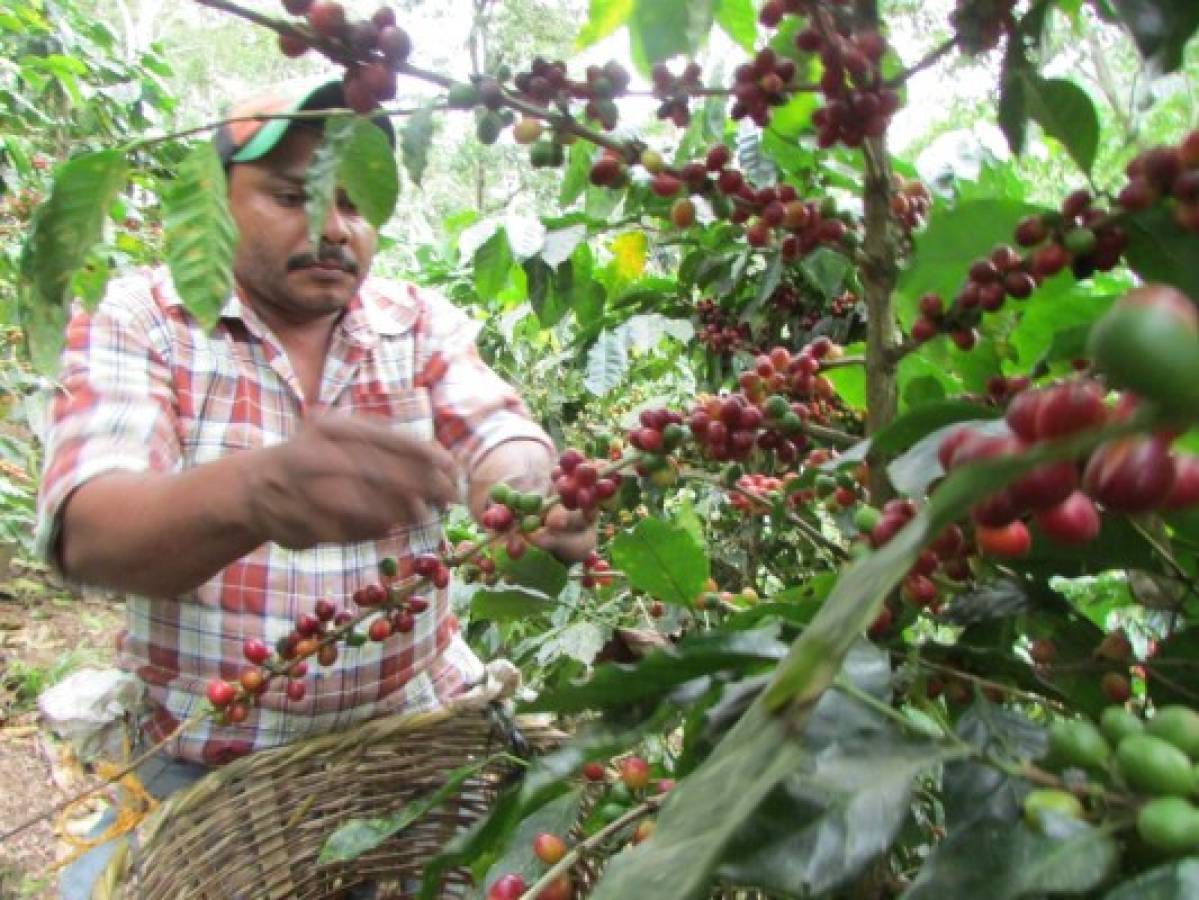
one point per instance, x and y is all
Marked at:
(326, 95)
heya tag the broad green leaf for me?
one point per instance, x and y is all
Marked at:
(991, 860)
(1173, 881)
(560, 244)
(200, 234)
(359, 836)
(822, 826)
(738, 20)
(580, 640)
(704, 812)
(368, 171)
(320, 181)
(607, 363)
(71, 221)
(1159, 250)
(1161, 28)
(663, 560)
(605, 17)
(826, 270)
(910, 427)
(850, 381)
(658, 31)
(510, 604)
(44, 326)
(975, 790)
(492, 263)
(1066, 113)
(574, 182)
(1053, 320)
(535, 569)
(415, 139)
(557, 817)
(613, 686)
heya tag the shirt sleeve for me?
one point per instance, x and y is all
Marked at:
(114, 406)
(474, 410)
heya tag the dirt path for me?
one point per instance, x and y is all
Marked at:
(46, 633)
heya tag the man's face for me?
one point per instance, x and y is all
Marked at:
(275, 265)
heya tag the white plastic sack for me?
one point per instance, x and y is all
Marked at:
(88, 710)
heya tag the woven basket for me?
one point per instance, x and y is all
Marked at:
(253, 829)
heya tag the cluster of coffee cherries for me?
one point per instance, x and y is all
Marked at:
(595, 571)
(858, 104)
(717, 330)
(1134, 474)
(1154, 759)
(949, 554)
(981, 24)
(373, 49)
(515, 513)
(1166, 174)
(910, 203)
(773, 12)
(675, 90)
(1080, 235)
(756, 492)
(760, 85)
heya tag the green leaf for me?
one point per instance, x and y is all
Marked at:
(1012, 111)
(44, 326)
(574, 182)
(1066, 113)
(605, 17)
(613, 686)
(535, 569)
(826, 270)
(492, 263)
(1159, 250)
(663, 560)
(820, 828)
(320, 181)
(910, 427)
(557, 817)
(415, 139)
(737, 19)
(510, 604)
(1161, 28)
(607, 363)
(975, 790)
(997, 861)
(71, 221)
(658, 31)
(703, 813)
(368, 171)
(200, 234)
(359, 836)
(1173, 881)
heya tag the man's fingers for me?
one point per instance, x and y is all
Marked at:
(561, 519)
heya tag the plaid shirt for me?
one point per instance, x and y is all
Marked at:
(146, 388)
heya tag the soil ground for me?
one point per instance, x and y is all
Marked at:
(47, 632)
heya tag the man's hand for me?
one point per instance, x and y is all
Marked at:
(570, 536)
(347, 479)
(526, 466)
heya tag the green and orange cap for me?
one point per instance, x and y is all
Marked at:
(251, 139)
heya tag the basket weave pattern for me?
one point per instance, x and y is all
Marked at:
(254, 828)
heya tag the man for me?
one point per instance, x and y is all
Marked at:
(228, 480)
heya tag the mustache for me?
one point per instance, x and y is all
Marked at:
(325, 254)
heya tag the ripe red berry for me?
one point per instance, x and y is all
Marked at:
(634, 772)
(549, 848)
(594, 771)
(1072, 522)
(297, 7)
(1042, 651)
(1131, 474)
(325, 610)
(256, 651)
(328, 19)
(1115, 687)
(252, 680)
(1007, 542)
(292, 45)
(380, 630)
(220, 693)
(506, 887)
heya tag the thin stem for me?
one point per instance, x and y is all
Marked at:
(930, 59)
(564, 865)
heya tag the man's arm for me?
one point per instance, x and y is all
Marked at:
(526, 465)
(339, 480)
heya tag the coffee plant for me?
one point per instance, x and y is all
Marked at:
(895, 591)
